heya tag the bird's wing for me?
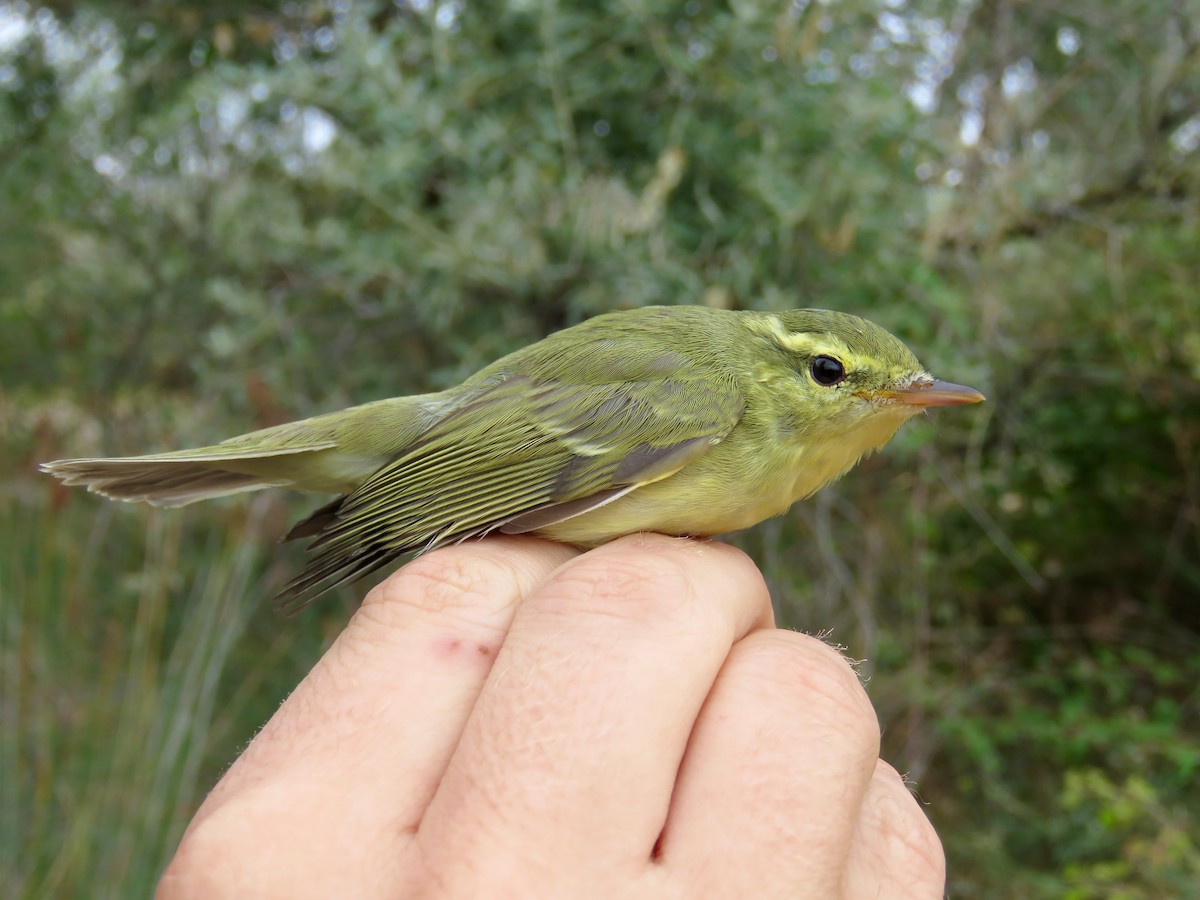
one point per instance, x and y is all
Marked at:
(517, 455)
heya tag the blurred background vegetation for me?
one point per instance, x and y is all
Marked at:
(222, 216)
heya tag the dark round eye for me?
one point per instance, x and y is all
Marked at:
(827, 371)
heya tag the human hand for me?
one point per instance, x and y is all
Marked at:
(508, 718)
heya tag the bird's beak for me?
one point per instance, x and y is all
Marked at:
(933, 393)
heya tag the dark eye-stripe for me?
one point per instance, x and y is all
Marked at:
(827, 371)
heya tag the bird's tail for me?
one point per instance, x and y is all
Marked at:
(327, 454)
(176, 479)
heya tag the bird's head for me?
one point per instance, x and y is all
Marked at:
(848, 378)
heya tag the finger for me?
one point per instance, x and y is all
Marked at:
(379, 715)
(574, 745)
(777, 768)
(895, 852)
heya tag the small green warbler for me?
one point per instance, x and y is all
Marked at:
(681, 420)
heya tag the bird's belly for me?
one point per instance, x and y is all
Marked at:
(724, 491)
(697, 503)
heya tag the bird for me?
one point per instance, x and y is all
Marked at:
(683, 420)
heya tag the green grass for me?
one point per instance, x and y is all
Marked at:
(117, 635)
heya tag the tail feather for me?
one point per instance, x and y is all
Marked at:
(159, 482)
(183, 476)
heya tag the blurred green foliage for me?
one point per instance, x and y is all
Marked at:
(218, 219)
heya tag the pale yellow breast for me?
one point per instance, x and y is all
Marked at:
(731, 488)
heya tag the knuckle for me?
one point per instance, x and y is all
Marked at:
(459, 594)
(791, 669)
(641, 588)
(450, 583)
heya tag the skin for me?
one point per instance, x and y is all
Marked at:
(508, 718)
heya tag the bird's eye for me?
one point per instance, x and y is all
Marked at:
(827, 371)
